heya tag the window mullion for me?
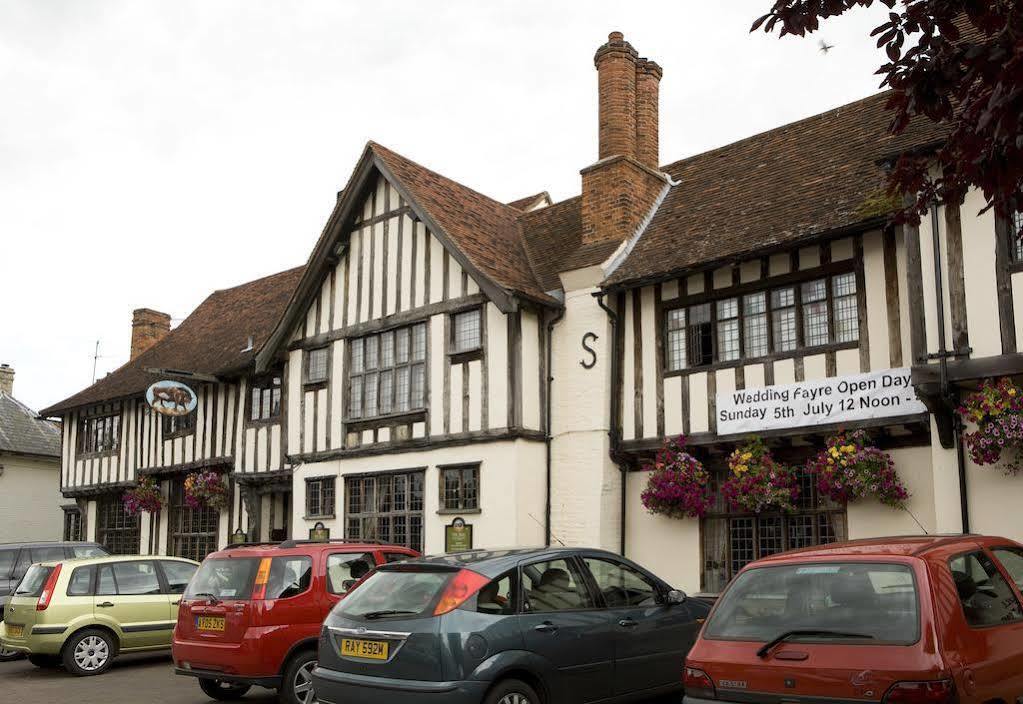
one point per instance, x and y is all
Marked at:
(829, 298)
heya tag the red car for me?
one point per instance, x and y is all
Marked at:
(252, 613)
(916, 620)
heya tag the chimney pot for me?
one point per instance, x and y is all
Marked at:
(648, 78)
(6, 379)
(147, 328)
(616, 37)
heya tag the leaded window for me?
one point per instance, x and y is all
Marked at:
(118, 532)
(385, 507)
(265, 398)
(72, 525)
(178, 425)
(1016, 244)
(780, 320)
(99, 434)
(460, 488)
(732, 539)
(387, 373)
(466, 331)
(319, 497)
(193, 531)
(316, 365)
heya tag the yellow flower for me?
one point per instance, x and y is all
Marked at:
(747, 456)
(849, 449)
(834, 452)
(1012, 392)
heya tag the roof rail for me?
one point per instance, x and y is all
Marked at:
(295, 543)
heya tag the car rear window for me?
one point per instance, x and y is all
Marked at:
(395, 592)
(88, 551)
(33, 581)
(224, 578)
(878, 601)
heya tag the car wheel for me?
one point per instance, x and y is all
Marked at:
(44, 660)
(223, 691)
(512, 692)
(8, 655)
(297, 687)
(89, 652)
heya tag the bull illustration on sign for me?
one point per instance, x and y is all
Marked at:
(171, 398)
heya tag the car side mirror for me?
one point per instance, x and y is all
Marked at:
(675, 597)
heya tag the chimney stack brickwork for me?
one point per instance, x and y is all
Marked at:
(147, 328)
(620, 189)
(7, 379)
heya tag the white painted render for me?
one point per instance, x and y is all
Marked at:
(30, 498)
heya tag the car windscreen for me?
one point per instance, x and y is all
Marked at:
(877, 601)
(224, 578)
(395, 592)
(33, 581)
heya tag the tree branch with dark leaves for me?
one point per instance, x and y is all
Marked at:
(958, 63)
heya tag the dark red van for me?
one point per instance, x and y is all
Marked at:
(252, 613)
(915, 620)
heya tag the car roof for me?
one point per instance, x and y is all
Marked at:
(303, 547)
(891, 546)
(108, 559)
(491, 563)
(49, 544)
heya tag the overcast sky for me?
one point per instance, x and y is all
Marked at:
(154, 151)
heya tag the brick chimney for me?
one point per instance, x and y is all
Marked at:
(7, 379)
(147, 328)
(620, 189)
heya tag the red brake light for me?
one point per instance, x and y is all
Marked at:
(47, 593)
(697, 681)
(932, 692)
(262, 577)
(459, 590)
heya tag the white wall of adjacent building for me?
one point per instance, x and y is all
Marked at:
(30, 499)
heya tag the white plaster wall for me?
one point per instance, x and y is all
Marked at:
(669, 547)
(512, 489)
(979, 276)
(30, 499)
(870, 519)
(994, 500)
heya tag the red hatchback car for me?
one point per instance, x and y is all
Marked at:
(252, 613)
(915, 620)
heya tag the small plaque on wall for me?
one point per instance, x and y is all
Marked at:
(320, 533)
(458, 536)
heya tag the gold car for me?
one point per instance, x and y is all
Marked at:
(84, 612)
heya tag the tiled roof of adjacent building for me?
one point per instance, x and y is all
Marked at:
(813, 177)
(23, 432)
(213, 340)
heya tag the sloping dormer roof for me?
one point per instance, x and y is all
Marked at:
(22, 432)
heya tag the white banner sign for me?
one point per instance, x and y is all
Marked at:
(837, 400)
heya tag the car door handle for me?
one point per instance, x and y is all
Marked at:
(545, 627)
(104, 605)
(176, 603)
(627, 623)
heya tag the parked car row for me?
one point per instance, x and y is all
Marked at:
(917, 620)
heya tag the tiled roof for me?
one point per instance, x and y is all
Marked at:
(530, 201)
(485, 230)
(23, 432)
(212, 340)
(805, 179)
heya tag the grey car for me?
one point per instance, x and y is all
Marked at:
(541, 626)
(16, 558)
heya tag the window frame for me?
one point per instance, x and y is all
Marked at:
(999, 571)
(459, 467)
(319, 480)
(353, 423)
(83, 448)
(264, 382)
(795, 280)
(455, 355)
(307, 357)
(585, 580)
(188, 424)
(408, 512)
(1014, 246)
(660, 592)
(180, 521)
(130, 526)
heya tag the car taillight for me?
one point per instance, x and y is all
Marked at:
(459, 589)
(931, 692)
(698, 682)
(47, 593)
(262, 577)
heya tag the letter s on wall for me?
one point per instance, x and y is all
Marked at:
(587, 339)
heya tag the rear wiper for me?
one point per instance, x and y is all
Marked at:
(807, 632)
(210, 598)
(387, 612)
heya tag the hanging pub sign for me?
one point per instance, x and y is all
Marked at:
(458, 536)
(842, 399)
(171, 398)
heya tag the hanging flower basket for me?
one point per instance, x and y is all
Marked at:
(205, 490)
(997, 411)
(757, 482)
(851, 468)
(144, 497)
(678, 485)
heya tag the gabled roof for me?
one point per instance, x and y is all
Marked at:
(22, 432)
(810, 178)
(537, 200)
(213, 340)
